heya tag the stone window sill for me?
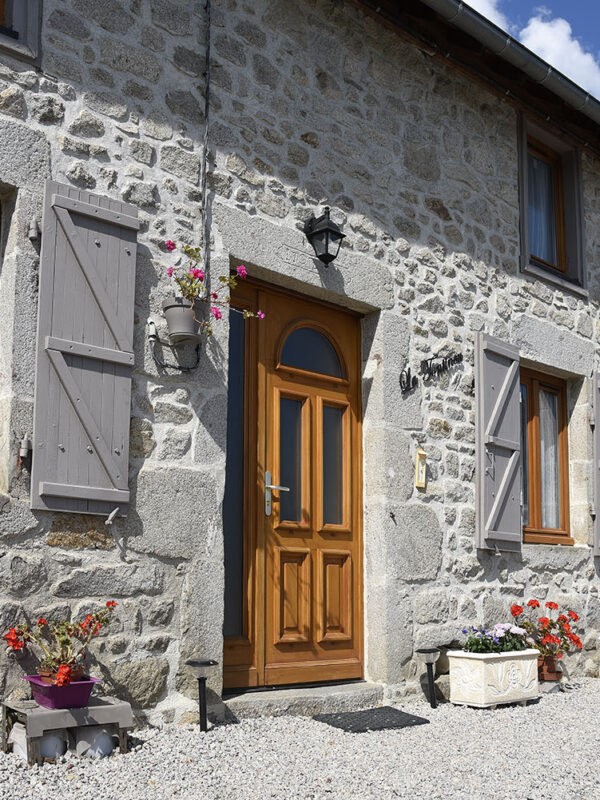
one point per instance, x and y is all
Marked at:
(17, 49)
(546, 275)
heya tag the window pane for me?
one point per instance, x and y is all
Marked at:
(549, 458)
(542, 218)
(233, 502)
(290, 459)
(306, 348)
(333, 465)
(524, 457)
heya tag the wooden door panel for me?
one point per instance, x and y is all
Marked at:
(293, 590)
(334, 596)
(306, 564)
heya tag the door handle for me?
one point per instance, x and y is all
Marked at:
(268, 489)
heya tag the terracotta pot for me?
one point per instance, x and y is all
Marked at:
(180, 320)
(48, 676)
(548, 668)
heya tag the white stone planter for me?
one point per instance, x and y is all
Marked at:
(487, 679)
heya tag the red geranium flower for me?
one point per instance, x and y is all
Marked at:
(543, 621)
(110, 604)
(41, 622)
(533, 603)
(13, 640)
(63, 675)
(552, 606)
(516, 610)
(573, 616)
(561, 618)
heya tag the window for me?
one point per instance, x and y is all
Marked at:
(551, 218)
(545, 206)
(307, 348)
(544, 459)
(20, 28)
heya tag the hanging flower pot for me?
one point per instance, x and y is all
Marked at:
(182, 326)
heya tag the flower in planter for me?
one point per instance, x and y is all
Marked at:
(552, 637)
(62, 645)
(192, 283)
(504, 637)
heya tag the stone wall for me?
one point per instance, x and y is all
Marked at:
(311, 102)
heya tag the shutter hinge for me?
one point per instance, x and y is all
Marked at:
(592, 421)
(592, 510)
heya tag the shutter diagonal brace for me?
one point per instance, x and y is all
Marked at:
(509, 378)
(507, 479)
(94, 434)
(92, 279)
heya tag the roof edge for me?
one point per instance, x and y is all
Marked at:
(502, 44)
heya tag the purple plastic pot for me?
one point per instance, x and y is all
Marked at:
(75, 695)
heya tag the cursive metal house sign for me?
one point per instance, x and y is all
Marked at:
(429, 368)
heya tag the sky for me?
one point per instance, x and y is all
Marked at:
(565, 33)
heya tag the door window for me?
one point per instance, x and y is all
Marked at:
(309, 349)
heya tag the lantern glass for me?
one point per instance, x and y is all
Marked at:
(202, 668)
(429, 655)
(319, 242)
(324, 236)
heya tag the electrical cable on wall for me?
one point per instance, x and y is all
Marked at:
(152, 333)
(205, 222)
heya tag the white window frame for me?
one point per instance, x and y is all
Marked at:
(26, 20)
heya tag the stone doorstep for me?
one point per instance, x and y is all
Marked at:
(305, 701)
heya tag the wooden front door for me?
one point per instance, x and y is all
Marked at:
(297, 615)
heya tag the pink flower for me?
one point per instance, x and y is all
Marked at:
(260, 314)
(170, 271)
(241, 271)
(197, 273)
(216, 312)
(170, 245)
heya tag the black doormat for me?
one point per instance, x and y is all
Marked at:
(373, 719)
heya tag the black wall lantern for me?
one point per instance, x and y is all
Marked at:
(325, 237)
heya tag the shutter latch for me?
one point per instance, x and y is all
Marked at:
(111, 516)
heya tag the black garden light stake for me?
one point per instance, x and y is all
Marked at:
(429, 656)
(325, 237)
(202, 667)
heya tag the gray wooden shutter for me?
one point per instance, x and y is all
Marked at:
(596, 460)
(84, 353)
(497, 390)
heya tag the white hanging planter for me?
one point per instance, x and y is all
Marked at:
(489, 679)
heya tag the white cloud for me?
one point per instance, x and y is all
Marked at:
(553, 40)
(491, 10)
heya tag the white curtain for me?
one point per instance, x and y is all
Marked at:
(549, 457)
(540, 190)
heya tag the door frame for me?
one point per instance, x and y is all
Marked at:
(244, 656)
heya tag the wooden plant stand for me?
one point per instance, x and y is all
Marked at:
(37, 720)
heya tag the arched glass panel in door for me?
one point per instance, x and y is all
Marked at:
(307, 348)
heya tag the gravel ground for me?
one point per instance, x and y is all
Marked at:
(546, 750)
